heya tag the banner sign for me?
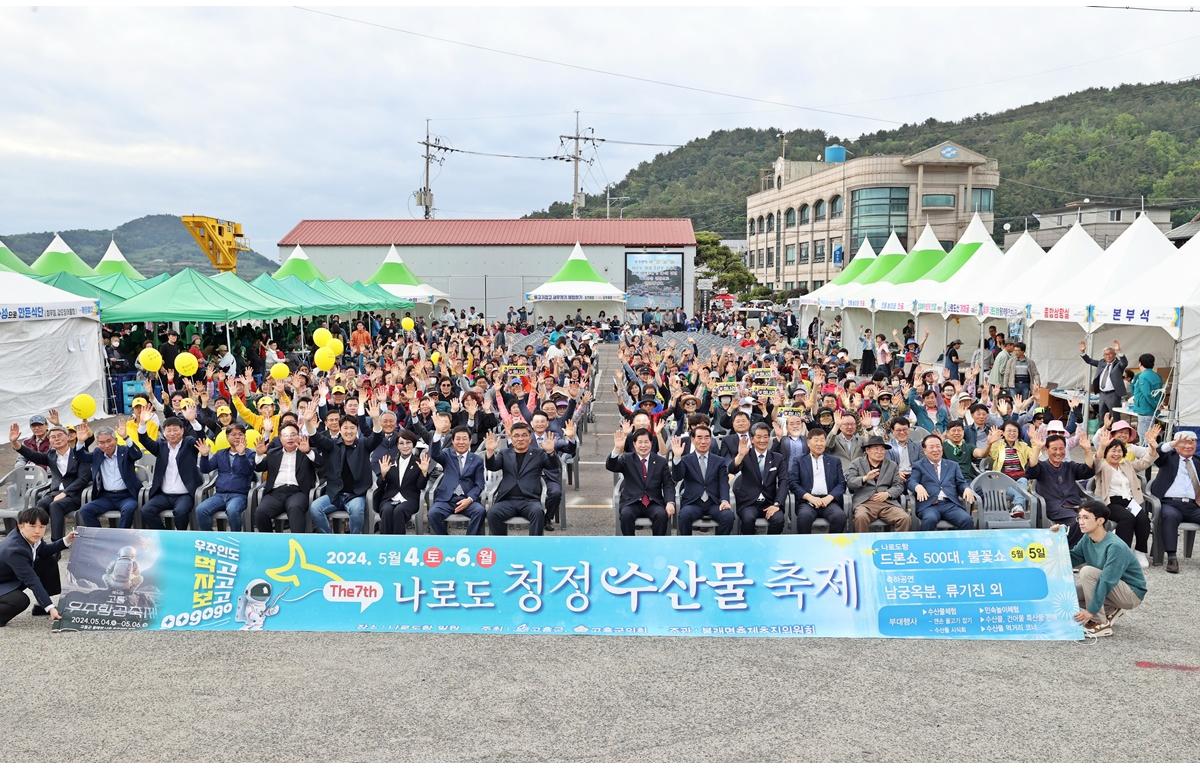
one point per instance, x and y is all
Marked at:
(765, 391)
(16, 312)
(726, 388)
(762, 373)
(1004, 584)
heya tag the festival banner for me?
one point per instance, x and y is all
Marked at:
(1002, 584)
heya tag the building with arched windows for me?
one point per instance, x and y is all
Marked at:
(809, 218)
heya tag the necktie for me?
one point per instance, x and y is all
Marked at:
(462, 465)
(704, 476)
(1191, 470)
(645, 476)
(762, 465)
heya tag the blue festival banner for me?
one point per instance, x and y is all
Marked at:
(1003, 584)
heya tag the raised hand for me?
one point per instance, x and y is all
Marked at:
(83, 432)
(1153, 433)
(490, 442)
(53, 416)
(302, 444)
(569, 430)
(423, 463)
(677, 447)
(618, 438)
(121, 431)
(14, 434)
(261, 446)
(202, 447)
(548, 443)
(385, 464)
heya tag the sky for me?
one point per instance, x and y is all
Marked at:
(267, 116)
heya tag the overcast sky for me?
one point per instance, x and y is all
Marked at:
(268, 116)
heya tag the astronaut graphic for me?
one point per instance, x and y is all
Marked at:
(254, 605)
(123, 573)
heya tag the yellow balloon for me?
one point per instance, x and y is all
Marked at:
(324, 358)
(220, 444)
(407, 324)
(336, 345)
(321, 336)
(435, 357)
(186, 364)
(280, 371)
(150, 359)
(83, 406)
(252, 437)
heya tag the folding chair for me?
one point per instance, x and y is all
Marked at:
(992, 494)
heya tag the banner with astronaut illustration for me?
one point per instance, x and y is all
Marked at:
(997, 584)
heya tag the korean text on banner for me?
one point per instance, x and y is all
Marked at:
(1010, 584)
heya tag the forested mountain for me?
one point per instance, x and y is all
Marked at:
(1126, 141)
(152, 244)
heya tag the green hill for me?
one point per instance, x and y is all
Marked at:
(1126, 141)
(152, 244)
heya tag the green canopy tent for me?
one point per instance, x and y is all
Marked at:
(10, 262)
(80, 287)
(186, 296)
(114, 263)
(378, 291)
(298, 265)
(58, 257)
(295, 290)
(150, 282)
(272, 304)
(364, 302)
(116, 283)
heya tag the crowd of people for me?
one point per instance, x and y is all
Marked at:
(764, 428)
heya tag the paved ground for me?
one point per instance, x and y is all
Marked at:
(184, 696)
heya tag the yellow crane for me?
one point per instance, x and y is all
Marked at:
(220, 240)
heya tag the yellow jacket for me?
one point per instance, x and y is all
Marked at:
(131, 429)
(997, 454)
(254, 419)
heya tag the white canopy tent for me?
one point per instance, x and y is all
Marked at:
(577, 286)
(51, 340)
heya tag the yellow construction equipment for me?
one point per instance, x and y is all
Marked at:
(220, 240)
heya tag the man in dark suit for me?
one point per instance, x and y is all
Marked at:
(817, 481)
(1177, 484)
(27, 562)
(564, 445)
(790, 442)
(291, 474)
(402, 475)
(705, 478)
(939, 485)
(461, 486)
(731, 443)
(67, 481)
(647, 489)
(115, 483)
(520, 491)
(1110, 378)
(176, 470)
(348, 472)
(761, 487)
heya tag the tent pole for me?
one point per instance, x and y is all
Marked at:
(228, 342)
(1087, 384)
(1176, 360)
(979, 374)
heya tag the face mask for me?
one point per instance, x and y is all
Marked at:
(874, 421)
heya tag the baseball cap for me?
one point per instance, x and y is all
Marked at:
(39, 419)
(224, 410)
(264, 400)
(136, 402)
(339, 390)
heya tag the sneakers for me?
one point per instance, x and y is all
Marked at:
(1092, 629)
(1116, 614)
(1141, 558)
(1017, 513)
(1172, 564)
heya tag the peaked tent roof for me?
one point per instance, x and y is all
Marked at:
(297, 264)
(116, 283)
(392, 301)
(272, 306)
(1142, 243)
(973, 237)
(393, 271)
(577, 280)
(866, 254)
(10, 262)
(58, 257)
(114, 262)
(926, 254)
(348, 299)
(1192, 246)
(890, 255)
(1067, 260)
(187, 295)
(78, 286)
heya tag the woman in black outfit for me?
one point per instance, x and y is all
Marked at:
(402, 476)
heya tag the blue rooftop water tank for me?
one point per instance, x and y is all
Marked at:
(835, 154)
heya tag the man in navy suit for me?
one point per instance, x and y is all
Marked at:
(176, 471)
(1178, 485)
(818, 483)
(115, 483)
(462, 480)
(67, 477)
(705, 478)
(520, 489)
(647, 489)
(938, 485)
(761, 487)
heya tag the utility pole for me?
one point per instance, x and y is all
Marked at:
(577, 199)
(608, 201)
(424, 196)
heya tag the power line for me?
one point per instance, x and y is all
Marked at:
(595, 70)
(1140, 8)
(639, 143)
(437, 145)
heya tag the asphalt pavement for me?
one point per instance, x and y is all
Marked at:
(225, 696)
